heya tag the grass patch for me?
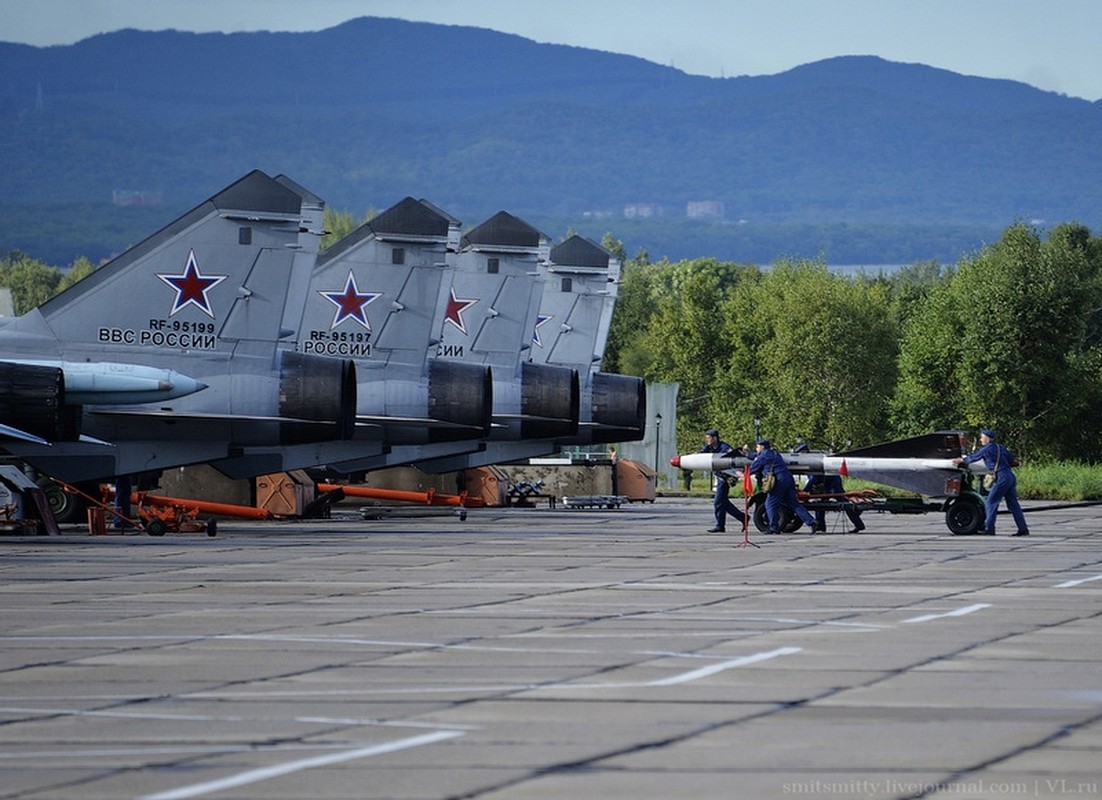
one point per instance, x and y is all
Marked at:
(1060, 480)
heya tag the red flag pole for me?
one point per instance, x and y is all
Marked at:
(747, 490)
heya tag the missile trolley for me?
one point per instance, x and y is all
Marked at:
(922, 464)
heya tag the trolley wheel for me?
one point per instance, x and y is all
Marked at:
(786, 520)
(156, 527)
(964, 516)
(212, 527)
(757, 513)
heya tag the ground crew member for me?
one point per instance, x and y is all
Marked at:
(999, 460)
(721, 503)
(769, 463)
(829, 484)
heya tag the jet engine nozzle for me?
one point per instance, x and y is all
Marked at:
(550, 401)
(462, 394)
(32, 401)
(619, 407)
(317, 389)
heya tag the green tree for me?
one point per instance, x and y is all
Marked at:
(812, 354)
(624, 352)
(31, 282)
(908, 285)
(684, 338)
(1007, 344)
(615, 247)
(80, 269)
(925, 396)
(339, 224)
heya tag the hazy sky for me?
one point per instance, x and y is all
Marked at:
(1053, 45)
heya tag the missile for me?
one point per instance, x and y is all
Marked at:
(112, 383)
(923, 464)
(821, 464)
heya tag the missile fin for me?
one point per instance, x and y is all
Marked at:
(940, 444)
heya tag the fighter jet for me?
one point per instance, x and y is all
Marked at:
(576, 293)
(193, 348)
(174, 352)
(372, 298)
(579, 297)
(485, 316)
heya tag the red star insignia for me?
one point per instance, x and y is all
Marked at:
(350, 302)
(191, 287)
(456, 307)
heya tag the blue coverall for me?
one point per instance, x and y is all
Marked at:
(721, 503)
(783, 493)
(996, 457)
(831, 484)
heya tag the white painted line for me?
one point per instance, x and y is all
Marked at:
(265, 773)
(1069, 584)
(80, 712)
(704, 672)
(960, 612)
(684, 677)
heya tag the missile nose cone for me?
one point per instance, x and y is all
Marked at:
(675, 461)
(183, 385)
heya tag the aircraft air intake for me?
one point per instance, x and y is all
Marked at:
(550, 401)
(32, 400)
(316, 389)
(619, 407)
(461, 393)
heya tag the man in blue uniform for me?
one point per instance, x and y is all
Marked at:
(829, 484)
(768, 462)
(999, 460)
(721, 502)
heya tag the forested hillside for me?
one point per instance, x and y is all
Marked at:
(856, 159)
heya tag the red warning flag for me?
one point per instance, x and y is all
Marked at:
(844, 471)
(747, 481)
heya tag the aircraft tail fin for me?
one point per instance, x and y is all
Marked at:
(216, 275)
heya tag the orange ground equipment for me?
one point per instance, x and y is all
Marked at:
(430, 497)
(99, 509)
(156, 515)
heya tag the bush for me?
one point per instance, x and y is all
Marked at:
(1060, 480)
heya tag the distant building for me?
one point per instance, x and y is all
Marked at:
(705, 209)
(642, 210)
(7, 307)
(137, 197)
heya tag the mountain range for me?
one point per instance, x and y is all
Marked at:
(855, 159)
